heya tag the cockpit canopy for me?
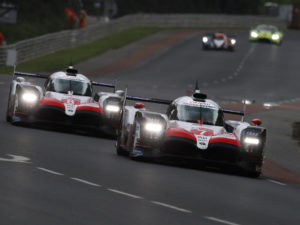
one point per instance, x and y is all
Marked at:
(196, 114)
(267, 28)
(77, 87)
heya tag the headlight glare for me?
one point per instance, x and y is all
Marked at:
(153, 127)
(233, 41)
(251, 140)
(205, 39)
(275, 36)
(254, 34)
(29, 97)
(112, 108)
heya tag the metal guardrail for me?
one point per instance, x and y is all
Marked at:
(50, 43)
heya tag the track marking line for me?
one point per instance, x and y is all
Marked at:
(276, 182)
(220, 221)
(50, 171)
(124, 193)
(171, 207)
(16, 158)
(85, 182)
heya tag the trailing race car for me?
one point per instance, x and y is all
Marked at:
(218, 41)
(267, 33)
(65, 99)
(194, 129)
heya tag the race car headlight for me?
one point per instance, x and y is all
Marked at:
(233, 41)
(204, 39)
(112, 108)
(254, 34)
(29, 97)
(153, 127)
(251, 141)
(275, 37)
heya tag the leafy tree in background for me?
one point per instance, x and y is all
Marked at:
(190, 6)
(36, 17)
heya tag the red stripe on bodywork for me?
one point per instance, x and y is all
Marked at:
(51, 101)
(225, 140)
(90, 108)
(176, 132)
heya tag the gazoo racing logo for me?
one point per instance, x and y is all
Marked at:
(203, 136)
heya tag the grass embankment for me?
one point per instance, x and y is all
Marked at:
(61, 59)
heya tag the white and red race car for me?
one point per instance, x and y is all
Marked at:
(218, 40)
(194, 129)
(65, 99)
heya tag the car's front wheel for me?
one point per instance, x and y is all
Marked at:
(119, 149)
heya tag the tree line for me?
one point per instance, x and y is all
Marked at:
(190, 6)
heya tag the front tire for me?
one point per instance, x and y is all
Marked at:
(119, 149)
(11, 108)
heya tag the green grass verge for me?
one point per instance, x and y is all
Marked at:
(61, 59)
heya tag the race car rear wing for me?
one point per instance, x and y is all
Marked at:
(110, 85)
(234, 112)
(30, 75)
(151, 100)
(43, 76)
(103, 84)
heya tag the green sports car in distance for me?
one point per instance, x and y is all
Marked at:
(266, 33)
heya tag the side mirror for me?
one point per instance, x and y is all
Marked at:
(256, 122)
(139, 105)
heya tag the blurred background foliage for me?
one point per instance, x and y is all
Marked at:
(37, 17)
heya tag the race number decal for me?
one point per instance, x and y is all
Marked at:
(202, 141)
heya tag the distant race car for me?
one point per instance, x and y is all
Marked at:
(267, 33)
(218, 41)
(193, 129)
(65, 99)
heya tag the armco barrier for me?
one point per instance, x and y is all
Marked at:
(49, 43)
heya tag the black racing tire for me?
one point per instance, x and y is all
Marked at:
(16, 99)
(251, 171)
(120, 151)
(253, 174)
(9, 102)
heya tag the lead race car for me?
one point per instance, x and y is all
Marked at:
(193, 128)
(218, 40)
(65, 99)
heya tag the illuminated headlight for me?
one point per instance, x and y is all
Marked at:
(233, 41)
(254, 34)
(153, 127)
(29, 97)
(112, 108)
(247, 102)
(205, 39)
(275, 37)
(251, 140)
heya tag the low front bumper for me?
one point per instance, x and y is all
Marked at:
(53, 116)
(216, 153)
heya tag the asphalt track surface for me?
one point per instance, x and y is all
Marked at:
(70, 178)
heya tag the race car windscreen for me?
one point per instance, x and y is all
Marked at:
(194, 114)
(267, 29)
(77, 87)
